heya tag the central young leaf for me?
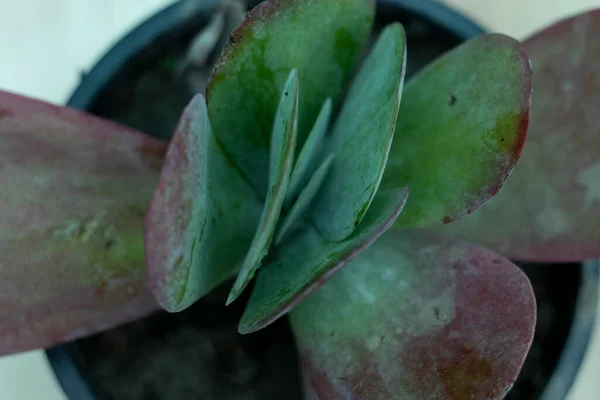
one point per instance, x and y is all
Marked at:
(307, 260)
(362, 137)
(283, 146)
(322, 39)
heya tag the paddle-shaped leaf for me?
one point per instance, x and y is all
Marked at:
(548, 209)
(362, 137)
(73, 196)
(309, 155)
(304, 199)
(461, 127)
(415, 317)
(323, 39)
(305, 261)
(283, 146)
(202, 217)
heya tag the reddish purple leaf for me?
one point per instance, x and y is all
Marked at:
(73, 198)
(416, 317)
(548, 209)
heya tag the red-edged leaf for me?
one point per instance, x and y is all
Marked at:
(416, 317)
(73, 196)
(548, 209)
(202, 216)
(460, 131)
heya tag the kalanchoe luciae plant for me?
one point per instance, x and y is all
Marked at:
(298, 163)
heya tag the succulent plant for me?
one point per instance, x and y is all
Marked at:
(320, 183)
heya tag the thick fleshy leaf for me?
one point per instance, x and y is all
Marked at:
(309, 155)
(461, 128)
(548, 210)
(323, 39)
(307, 260)
(304, 199)
(362, 137)
(73, 196)
(283, 147)
(416, 318)
(191, 246)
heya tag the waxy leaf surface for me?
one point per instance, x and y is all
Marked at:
(283, 146)
(202, 217)
(323, 39)
(549, 209)
(74, 190)
(460, 130)
(305, 261)
(305, 199)
(362, 136)
(309, 155)
(415, 317)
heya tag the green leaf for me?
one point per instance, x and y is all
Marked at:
(283, 146)
(190, 245)
(323, 39)
(416, 317)
(304, 199)
(309, 154)
(461, 128)
(362, 137)
(305, 261)
(548, 211)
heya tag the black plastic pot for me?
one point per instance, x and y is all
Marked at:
(176, 24)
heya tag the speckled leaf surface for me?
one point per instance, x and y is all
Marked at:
(461, 128)
(73, 196)
(549, 209)
(309, 155)
(283, 147)
(415, 317)
(362, 136)
(323, 39)
(307, 260)
(202, 217)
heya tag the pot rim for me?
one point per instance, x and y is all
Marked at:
(580, 333)
(141, 36)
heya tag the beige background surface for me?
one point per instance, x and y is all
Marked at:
(45, 44)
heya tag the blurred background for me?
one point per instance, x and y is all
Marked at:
(46, 45)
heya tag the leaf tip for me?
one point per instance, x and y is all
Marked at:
(233, 295)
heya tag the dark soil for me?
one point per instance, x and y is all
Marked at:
(196, 354)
